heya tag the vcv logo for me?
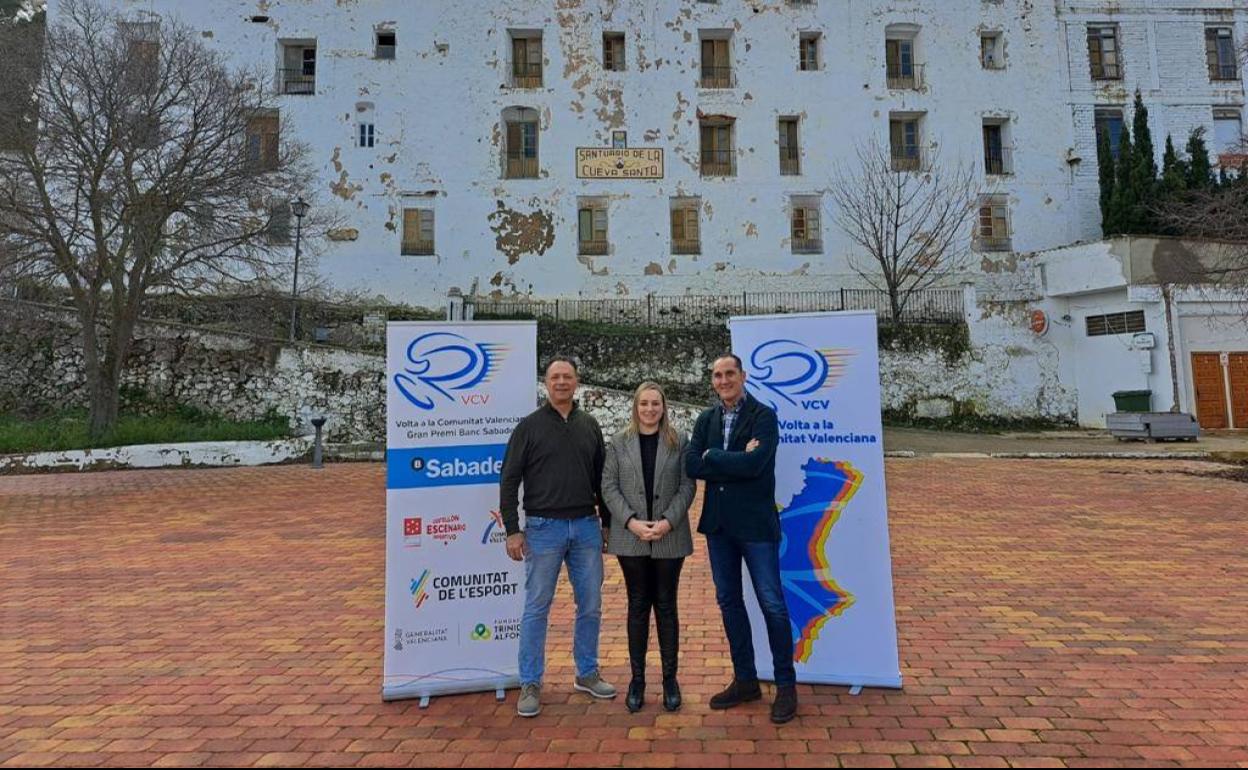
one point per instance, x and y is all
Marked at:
(787, 371)
(445, 366)
(495, 532)
(419, 588)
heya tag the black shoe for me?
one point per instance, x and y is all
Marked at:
(671, 694)
(785, 706)
(737, 693)
(636, 695)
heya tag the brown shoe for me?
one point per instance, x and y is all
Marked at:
(736, 694)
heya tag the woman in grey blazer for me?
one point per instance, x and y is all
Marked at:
(645, 487)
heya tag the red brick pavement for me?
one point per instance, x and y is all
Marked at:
(1049, 613)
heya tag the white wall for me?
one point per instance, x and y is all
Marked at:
(1098, 366)
(438, 107)
(1088, 267)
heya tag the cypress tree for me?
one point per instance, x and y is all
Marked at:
(1123, 203)
(1173, 170)
(1199, 170)
(1143, 171)
(1106, 171)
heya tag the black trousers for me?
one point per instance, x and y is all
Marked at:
(652, 584)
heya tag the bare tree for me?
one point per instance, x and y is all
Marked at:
(911, 216)
(153, 168)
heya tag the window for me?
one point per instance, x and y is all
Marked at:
(790, 164)
(417, 232)
(619, 140)
(686, 235)
(1220, 52)
(1103, 54)
(1228, 132)
(903, 141)
(993, 230)
(716, 65)
(279, 223)
(386, 43)
(717, 148)
(613, 51)
(1130, 322)
(298, 73)
(1109, 122)
(365, 126)
(591, 222)
(903, 72)
(998, 157)
(261, 138)
(521, 137)
(807, 237)
(808, 52)
(526, 59)
(991, 51)
(144, 129)
(142, 41)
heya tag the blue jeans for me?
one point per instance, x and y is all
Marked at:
(548, 544)
(763, 560)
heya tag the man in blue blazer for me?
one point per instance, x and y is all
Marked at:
(733, 449)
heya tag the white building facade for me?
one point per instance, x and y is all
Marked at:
(447, 133)
(1105, 313)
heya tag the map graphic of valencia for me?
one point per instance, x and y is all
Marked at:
(812, 595)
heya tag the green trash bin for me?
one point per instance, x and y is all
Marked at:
(1133, 400)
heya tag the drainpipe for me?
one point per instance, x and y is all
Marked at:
(1167, 299)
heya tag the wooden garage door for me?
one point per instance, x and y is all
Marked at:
(1210, 390)
(1238, 371)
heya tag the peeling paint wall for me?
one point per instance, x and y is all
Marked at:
(1163, 56)
(438, 107)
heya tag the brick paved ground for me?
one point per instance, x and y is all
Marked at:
(1086, 613)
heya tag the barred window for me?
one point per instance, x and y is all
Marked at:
(1130, 322)
(1103, 52)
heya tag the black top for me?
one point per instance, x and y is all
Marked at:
(560, 462)
(649, 452)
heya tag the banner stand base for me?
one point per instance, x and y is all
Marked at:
(855, 690)
(499, 695)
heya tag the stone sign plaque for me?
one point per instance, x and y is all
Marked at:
(623, 163)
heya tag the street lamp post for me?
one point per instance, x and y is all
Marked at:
(299, 208)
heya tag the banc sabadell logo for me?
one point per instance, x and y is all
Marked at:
(789, 372)
(443, 366)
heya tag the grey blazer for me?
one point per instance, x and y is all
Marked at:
(624, 491)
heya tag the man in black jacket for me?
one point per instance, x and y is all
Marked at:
(733, 449)
(558, 453)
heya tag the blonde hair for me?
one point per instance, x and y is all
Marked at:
(665, 425)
